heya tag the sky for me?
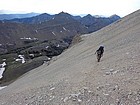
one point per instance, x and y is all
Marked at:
(75, 7)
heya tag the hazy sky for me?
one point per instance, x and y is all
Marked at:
(93, 7)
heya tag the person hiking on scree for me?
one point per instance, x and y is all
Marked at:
(99, 53)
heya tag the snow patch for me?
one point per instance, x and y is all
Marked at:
(18, 60)
(32, 55)
(47, 47)
(36, 31)
(2, 68)
(30, 38)
(26, 38)
(1, 71)
(3, 59)
(35, 38)
(58, 45)
(2, 87)
(53, 33)
(64, 29)
(3, 64)
(21, 58)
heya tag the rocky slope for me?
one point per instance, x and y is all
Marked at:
(76, 78)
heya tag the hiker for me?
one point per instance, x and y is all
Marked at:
(99, 53)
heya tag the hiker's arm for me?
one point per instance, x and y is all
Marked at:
(95, 52)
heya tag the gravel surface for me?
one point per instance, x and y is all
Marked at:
(76, 78)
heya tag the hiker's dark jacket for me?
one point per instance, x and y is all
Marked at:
(100, 51)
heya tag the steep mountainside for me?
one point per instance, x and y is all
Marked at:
(75, 77)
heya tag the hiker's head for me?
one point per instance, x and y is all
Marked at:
(101, 46)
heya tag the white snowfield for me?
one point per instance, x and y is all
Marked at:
(53, 33)
(76, 78)
(21, 58)
(30, 38)
(2, 68)
(2, 87)
(64, 29)
(1, 71)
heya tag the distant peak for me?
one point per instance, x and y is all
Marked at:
(114, 16)
(63, 13)
(89, 15)
(44, 14)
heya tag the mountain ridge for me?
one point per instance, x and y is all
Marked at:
(12, 16)
(44, 23)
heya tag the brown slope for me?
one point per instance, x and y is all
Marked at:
(12, 32)
(76, 78)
